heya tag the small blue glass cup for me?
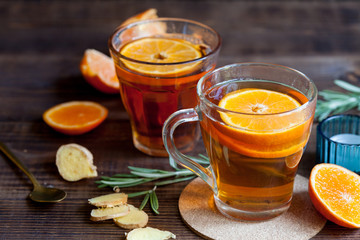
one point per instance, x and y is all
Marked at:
(338, 141)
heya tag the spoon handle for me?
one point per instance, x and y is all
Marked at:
(18, 163)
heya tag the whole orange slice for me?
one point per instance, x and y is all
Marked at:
(98, 69)
(257, 101)
(161, 50)
(335, 193)
(76, 117)
(257, 133)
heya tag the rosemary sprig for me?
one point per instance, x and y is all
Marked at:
(139, 176)
(337, 102)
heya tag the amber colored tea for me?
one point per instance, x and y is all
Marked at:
(255, 160)
(151, 94)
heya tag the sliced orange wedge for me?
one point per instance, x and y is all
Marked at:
(161, 50)
(98, 69)
(150, 13)
(334, 191)
(76, 117)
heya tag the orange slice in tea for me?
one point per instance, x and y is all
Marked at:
(98, 69)
(256, 101)
(334, 191)
(76, 117)
(161, 50)
(258, 133)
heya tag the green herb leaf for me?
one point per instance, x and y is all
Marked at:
(136, 194)
(143, 203)
(347, 86)
(154, 202)
(337, 102)
(166, 182)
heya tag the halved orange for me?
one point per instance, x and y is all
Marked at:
(161, 50)
(335, 193)
(98, 69)
(150, 13)
(75, 117)
(256, 134)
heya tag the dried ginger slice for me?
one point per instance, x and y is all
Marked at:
(149, 233)
(109, 200)
(109, 212)
(75, 162)
(135, 219)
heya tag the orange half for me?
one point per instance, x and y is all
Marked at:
(98, 69)
(76, 117)
(335, 193)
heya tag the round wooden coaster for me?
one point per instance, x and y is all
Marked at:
(198, 210)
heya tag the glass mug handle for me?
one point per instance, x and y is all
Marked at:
(174, 120)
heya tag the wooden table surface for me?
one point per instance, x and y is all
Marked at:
(41, 44)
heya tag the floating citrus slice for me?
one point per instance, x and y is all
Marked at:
(161, 51)
(98, 69)
(258, 133)
(76, 117)
(334, 191)
(256, 101)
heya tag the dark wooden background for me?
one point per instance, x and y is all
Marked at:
(41, 44)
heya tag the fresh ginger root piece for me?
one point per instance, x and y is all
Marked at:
(75, 162)
(135, 219)
(149, 233)
(109, 200)
(150, 13)
(109, 212)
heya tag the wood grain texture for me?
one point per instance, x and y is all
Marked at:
(41, 45)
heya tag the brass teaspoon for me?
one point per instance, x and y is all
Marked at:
(39, 193)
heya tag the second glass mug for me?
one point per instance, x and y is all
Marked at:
(252, 167)
(151, 91)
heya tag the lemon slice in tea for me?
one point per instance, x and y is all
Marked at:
(161, 50)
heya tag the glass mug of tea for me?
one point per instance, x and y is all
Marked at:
(255, 120)
(158, 63)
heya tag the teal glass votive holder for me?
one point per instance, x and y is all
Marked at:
(338, 141)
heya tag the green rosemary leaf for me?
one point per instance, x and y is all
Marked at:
(337, 102)
(124, 175)
(166, 182)
(102, 185)
(347, 86)
(204, 157)
(154, 202)
(136, 194)
(122, 184)
(180, 172)
(332, 95)
(146, 199)
(153, 175)
(146, 170)
(119, 179)
(200, 160)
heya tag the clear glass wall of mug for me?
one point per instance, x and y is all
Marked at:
(255, 122)
(158, 64)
